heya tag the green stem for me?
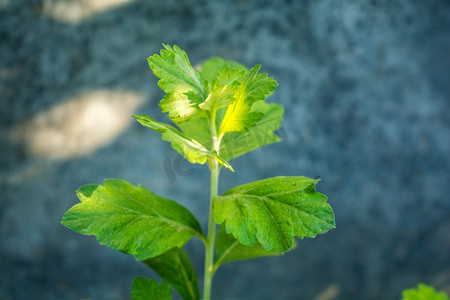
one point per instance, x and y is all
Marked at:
(209, 256)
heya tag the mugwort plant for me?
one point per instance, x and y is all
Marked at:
(218, 113)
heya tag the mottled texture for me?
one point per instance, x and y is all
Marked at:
(366, 88)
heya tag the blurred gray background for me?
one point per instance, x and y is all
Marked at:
(366, 88)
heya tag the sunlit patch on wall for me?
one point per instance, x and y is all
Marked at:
(3, 3)
(79, 125)
(330, 293)
(77, 10)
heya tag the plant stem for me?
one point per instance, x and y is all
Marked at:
(209, 255)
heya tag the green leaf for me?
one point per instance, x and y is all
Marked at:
(272, 211)
(235, 144)
(212, 67)
(198, 129)
(239, 115)
(229, 249)
(423, 292)
(179, 80)
(192, 150)
(145, 289)
(131, 219)
(175, 267)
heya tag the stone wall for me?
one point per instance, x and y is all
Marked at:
(366, 88)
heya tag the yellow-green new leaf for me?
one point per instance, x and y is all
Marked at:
(131, 219)
(175, 267)
(223, 89)
(235, 144)
(179, 80)
(192, 150)
(146, 289)
(272, 211)
(179, 106)
(239, 115)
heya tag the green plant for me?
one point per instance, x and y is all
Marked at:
(423, 292)
(220, 113)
